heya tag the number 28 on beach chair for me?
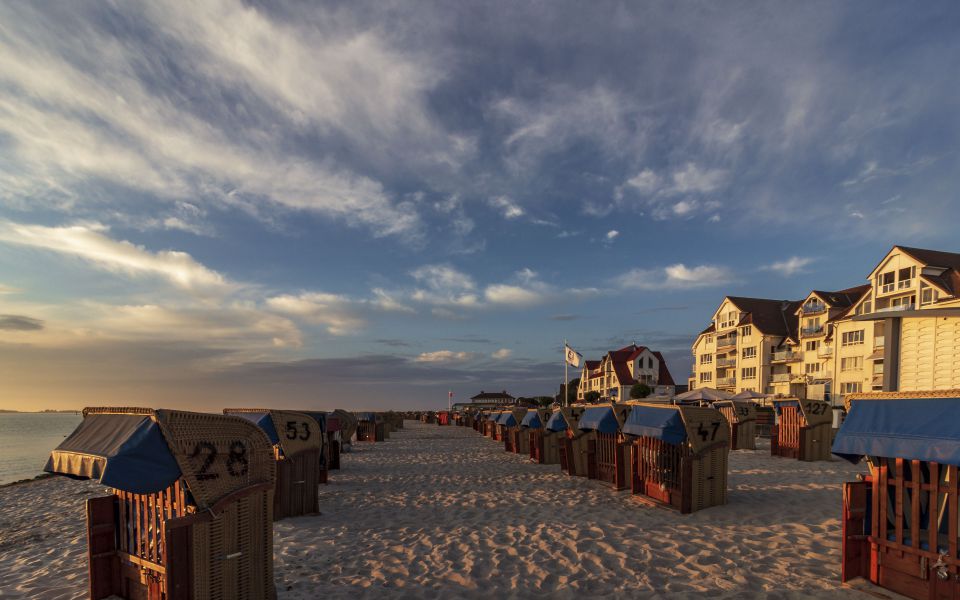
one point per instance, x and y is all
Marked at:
(742, 417)
(803, 430)
(296, 439)
(190, 516)
(900, 523)
(678, 455)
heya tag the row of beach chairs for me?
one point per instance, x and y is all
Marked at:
(900, 521)
(194, 495)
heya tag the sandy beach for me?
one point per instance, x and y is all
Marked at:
(441, 512)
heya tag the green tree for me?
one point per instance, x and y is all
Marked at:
(640, 390)
(591, 397)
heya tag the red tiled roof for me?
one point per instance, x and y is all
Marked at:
(773, 317)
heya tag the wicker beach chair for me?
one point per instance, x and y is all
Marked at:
(602, 440)
(324, 419)
(297, 439)
(370, 427)
(742, 417)
(348, 428)
(678, 455)
(334, 440)
(803, 430)
(544, 448)
(900, 523)
(571, 444)
(190, 515)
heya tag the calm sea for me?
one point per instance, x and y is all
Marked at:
(26, 440)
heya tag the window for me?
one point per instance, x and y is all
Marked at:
(852, 338)
(706, 377)
(811, 346)
(851, 387)
(729, 319)
(746, 331)
(709, 339)
(750, 352)
(851, 363)
(887, 283)
(706, 359)
(905, 302)
(649, 363)
(749, 373)
(906, 277)
(811, 368)
(929, 296)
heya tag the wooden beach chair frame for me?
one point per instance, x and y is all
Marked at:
(297, 455)
(742, 417)
(804, 430)
(208, 535)
(606, 453)
(687, 476)
(544, 445)
(879, 543)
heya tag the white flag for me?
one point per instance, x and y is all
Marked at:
(573, 358)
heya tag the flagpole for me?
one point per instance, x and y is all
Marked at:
(566, 377)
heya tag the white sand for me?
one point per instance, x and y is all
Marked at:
(441, 512)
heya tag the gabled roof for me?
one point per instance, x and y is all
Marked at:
(492, 395)
(710, 329)
(773, 317)
(842, 298)
(857, 293)
(933, 258)
(590, 365)
(664, 377)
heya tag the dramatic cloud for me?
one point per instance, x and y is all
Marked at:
(89, 243)
(788, 267)
(20, 323)
(675, 277)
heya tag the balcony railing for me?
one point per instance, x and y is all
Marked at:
(726, 362)
(897, 308)
(726, 381)
(781, 377)
(878, 342)
(787, 356)
(825, 351)
(730, 340)
(814, 330)
(814, 309)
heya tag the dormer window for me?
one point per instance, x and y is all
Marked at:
(887, 282)
(905, 279)
(746, 331)
(928, 295)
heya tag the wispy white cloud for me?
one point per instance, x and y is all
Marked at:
(612, 235)
(502, 354)
(333, 311)
(675, 277)
(507, 207)
(790, 266)
(443, 356)
(89, 242)
(444, 285)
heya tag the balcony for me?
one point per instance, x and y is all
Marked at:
(726, 342)
(785, 356)
(814, 308)
(724, 363)
(781, 377)
(825, 351)
(878, 342)
(726, 381)
(813, 331)
(897, 308)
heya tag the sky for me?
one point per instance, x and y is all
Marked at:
(367, 204)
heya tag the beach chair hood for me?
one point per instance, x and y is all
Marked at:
(507, 419)
(348, 423)
(699, 427)
(144, 451)
(814, 412)
(291, 431)
(743, 411)
(912, 429)
(599, 418)
(532, 420)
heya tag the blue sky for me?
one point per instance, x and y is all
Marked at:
(367, 204)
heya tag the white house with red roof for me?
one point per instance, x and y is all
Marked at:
(619, 370)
